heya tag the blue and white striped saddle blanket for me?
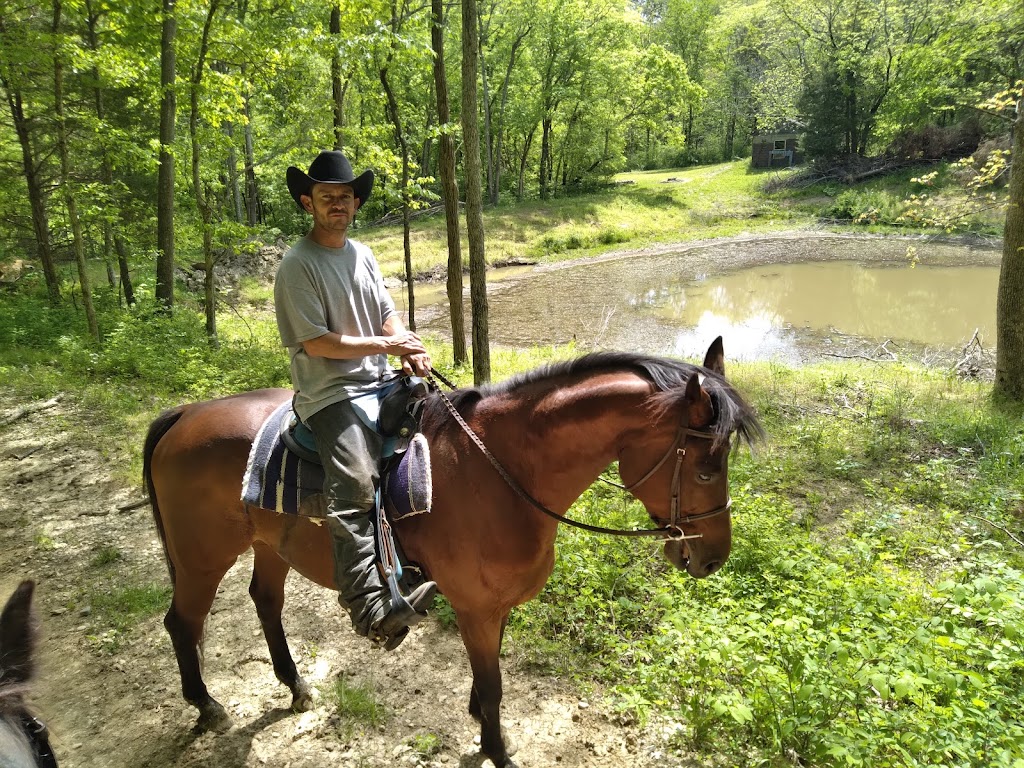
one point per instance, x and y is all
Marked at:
(276, 478)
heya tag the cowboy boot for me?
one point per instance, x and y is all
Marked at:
(361, 590)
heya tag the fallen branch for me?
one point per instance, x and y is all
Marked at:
(859, 357)
(28, 409)
(19, 455)
(133, 505)
(1017, 541)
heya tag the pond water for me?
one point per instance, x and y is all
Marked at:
(791, 298)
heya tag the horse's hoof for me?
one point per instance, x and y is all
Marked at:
(302, 699)
(212, 719)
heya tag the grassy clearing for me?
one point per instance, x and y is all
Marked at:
(642, 209)
(647, 208)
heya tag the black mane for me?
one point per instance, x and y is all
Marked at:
(669, 377)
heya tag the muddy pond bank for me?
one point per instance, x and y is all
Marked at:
(668, 299)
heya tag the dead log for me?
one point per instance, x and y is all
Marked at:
(29, 409)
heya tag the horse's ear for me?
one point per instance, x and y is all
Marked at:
(17, 635)
(693, 389)
(714, 360)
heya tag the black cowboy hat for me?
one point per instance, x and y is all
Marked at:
(329, 167)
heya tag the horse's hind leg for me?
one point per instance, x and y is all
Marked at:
(482, 637)
(267, 592)
(193, 596)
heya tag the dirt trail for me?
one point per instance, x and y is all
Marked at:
(115, 701)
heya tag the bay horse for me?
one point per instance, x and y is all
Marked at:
(485, 542)
(24, 740)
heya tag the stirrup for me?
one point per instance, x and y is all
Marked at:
(394, 627)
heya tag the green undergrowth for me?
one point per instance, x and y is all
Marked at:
(871, 612)
(938, 197)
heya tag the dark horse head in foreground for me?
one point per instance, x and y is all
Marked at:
(487, 545)
(24, 742)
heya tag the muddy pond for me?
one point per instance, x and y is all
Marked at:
(794, 297)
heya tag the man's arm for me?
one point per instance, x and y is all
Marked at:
(412, 362)
(395, 341)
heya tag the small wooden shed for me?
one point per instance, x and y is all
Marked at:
(777, 148)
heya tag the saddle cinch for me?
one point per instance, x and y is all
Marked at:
(405, 485)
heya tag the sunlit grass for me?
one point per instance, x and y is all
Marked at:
(640, 210)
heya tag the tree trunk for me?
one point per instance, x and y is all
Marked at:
(108, 250)
(234, 188)
(691, 139)
(106, 168)
(524, 159)
(488, 135)
(403, 144)
(338, 85)
(253, 206)
(1009, 385)
(499, 132)
(122, 265)
(545, 158)
(37, 202)
(65, 177)
(449, 185)
(474, 195)
(202, 198)
(165, 175)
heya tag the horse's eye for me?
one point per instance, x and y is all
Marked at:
(704, 478)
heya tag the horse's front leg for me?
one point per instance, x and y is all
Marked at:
(482, 636)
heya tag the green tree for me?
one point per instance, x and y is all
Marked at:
(449, 183)
(66, 182)
(474, 193)
(855, 55)
(1009, 384)
(24, 63)
(165, 182)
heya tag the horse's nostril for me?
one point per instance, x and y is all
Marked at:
(711, 567)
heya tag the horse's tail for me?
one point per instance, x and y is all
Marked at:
(157, 430)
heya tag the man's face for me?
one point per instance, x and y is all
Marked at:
(333, 207)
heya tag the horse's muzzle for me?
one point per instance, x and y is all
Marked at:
(686, 556)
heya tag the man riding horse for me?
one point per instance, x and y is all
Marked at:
(339, 324)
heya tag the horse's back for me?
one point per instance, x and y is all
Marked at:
(196, 470)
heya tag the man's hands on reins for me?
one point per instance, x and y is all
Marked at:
(409, 347)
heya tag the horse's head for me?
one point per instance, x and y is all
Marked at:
(680, 469)
(24, 742)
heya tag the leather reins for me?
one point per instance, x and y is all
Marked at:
(673, 531)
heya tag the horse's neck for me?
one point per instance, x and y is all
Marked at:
(568, 435)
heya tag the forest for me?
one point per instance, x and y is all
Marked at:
(152, 136)
(870, 613)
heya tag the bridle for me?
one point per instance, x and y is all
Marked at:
(676, 518)
(38, 737)
(673, 531)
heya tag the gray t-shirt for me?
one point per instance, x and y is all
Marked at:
(322, 290)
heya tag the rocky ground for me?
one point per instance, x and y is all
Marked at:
(111, 696)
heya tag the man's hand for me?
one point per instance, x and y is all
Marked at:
(404, 343)
(418, 363)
